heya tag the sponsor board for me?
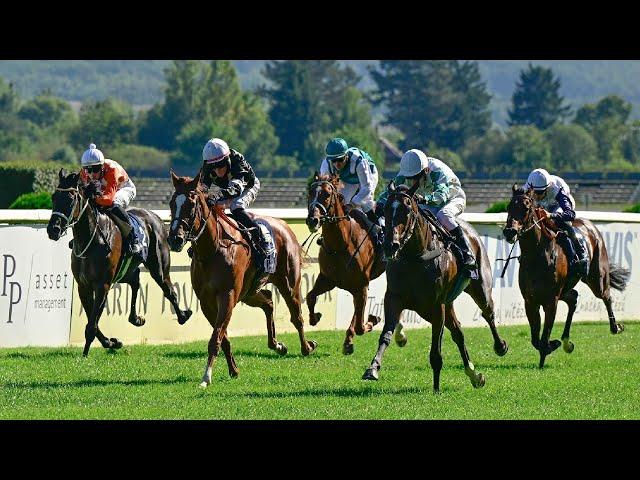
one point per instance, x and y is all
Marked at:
(35, 288)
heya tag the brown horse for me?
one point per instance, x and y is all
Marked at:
(97, 256)
(424, 277)
(222, 271)
(341, 236)
(543, 272)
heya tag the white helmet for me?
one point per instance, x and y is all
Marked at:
(539, 179)
(413, 162)
(215, 150)
(93, 156)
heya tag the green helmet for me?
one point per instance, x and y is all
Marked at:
(337, 147)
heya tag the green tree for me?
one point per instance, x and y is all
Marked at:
(47, 111)
(484, 154)
(107, 123)
(610, 107)
(308, 100)
(526, 148)
(9, 99)
(572, 147)
(536, 99)
(440, 101)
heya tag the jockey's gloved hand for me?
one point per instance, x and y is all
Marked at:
(419, 198)
(93, 189)
(214, 197)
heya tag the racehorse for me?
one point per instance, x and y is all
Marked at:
(342, 235)
(425, 277)
(97, 256)
(347, 259)
(543, 276)
(222, 271)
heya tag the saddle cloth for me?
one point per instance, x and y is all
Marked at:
(270, 257)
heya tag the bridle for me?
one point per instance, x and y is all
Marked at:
(78, 199)
(412, 221)
(523, 230)
(325, 217)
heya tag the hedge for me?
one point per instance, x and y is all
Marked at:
(17, 178)
(498, 207)
(28, 201)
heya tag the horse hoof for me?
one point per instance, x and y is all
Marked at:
(478, 381)
(232, 374)
(554, 345)
(186, 314)
(568, 346)
(137, 321)
(312, 346)
(203, 385)
(501, 348)
(347, 348)
(115, 344)
(315, 319)
(619, 328)
(281, 348)
(370, 374)
(401, 341)
(374, 320)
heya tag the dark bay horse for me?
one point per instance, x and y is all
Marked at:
(421, 276)
(544, 267)
(223, 273)
(341, 237)
(97, 255)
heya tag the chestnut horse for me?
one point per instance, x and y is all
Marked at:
(97, 255)
(342, 235)
(422, 276)
(223, 273)
(544, 266)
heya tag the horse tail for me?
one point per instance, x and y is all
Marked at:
(619, 277)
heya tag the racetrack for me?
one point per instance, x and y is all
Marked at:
(599, 380)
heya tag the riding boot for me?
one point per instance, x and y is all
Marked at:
(371, 226)
(258, 244)
(579, 257)
(468, 259)
(120, 217)
(568, 248)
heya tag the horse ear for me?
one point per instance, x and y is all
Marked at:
(62, 174)
(413, 189)
(174, 179)
(514, 188)
(392, 186)
(316, 176)
(196, 179)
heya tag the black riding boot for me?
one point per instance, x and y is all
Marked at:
(257, 242)
(120, 217)
(370, 224)
(580, 257)
(468, 259)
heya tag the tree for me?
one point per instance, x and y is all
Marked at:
(536, 100)
(526, 149)
(443, 101)
(572, 147)
(609, 107)
(8, 97)
(484, 154)
(107, 123)
(308, 100)
(48, 111)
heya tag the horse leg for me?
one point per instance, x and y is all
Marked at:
(90, 331)
(292, 298)
(164, 282)
(134, 281)
(437, 317)
(614, 327)
(231, 363)
(480, 291)
(322, 285)
(357, 326)
(85, 293)
(452, 323)
(225, 302)
(571, 299)
(533, 316)
(547, 347)
(392, 311)
(262, 299)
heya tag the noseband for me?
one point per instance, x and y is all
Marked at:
(325, 217)
(412, 221)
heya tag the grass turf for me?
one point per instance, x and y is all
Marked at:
(599, 380)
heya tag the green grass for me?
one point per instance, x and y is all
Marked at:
(599, 380)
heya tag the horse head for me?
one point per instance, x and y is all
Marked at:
(520, 210)
(183, 205)
(400, 215)
(323, 200)
(64, 201)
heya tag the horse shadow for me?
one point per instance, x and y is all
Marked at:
(268, 355)
(342, 392)
(38, 355)
(96, 383)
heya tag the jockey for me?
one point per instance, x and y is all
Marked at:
(237, 185)
(358, 180)
(115, 192)
(443, 195)
(552, 193)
